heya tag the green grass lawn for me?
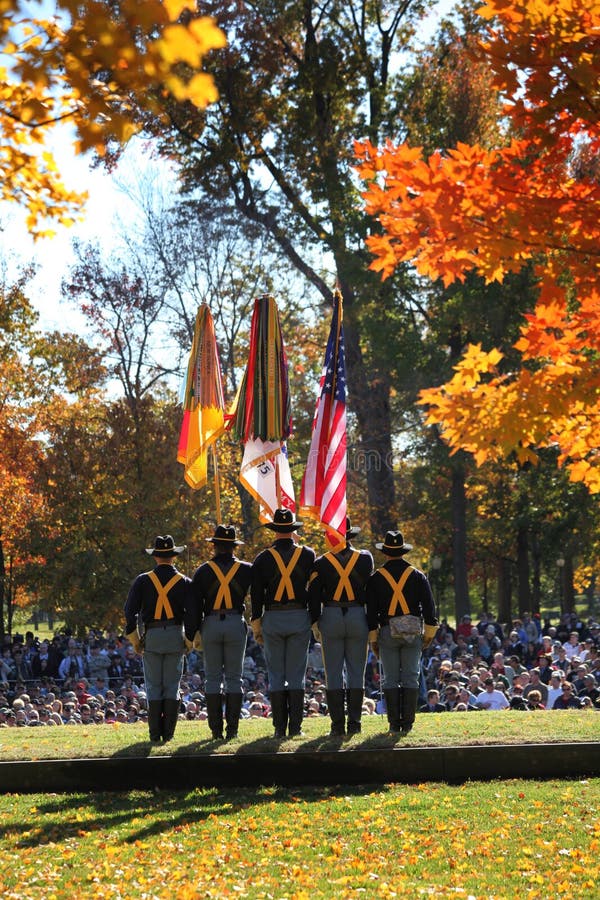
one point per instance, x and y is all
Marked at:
(256, 735)
(502, 840)
(497, 841)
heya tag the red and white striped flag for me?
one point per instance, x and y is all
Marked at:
(323, 495)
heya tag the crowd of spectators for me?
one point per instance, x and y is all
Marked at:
(98, 679)
(529, 665)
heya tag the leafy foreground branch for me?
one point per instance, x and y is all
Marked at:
(256, 736)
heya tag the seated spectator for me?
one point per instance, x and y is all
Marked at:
(561, 661)
(577, 679)
(530, 655)
(590, 689)
(132, 665)
(534, 700)
(491, 698)
(571, 646)
(514, 647)
(433, 703)
(546, 648)
(85, 714)
(450, 697)
(464, 696)
(475, 686)
(517, 700)
(368, 707)
(464, 627)
(536, 684)
(555, 687)
(312, 708)
(545, 668)
(568, 699)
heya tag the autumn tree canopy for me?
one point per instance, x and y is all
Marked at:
(79, 67)
(534, 201)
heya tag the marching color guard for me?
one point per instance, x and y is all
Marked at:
(155, 612)
(281, 621)
(397, 588)
(219, 588)
(337, 599)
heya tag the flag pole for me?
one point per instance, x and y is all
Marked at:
(217, 485)
(277, 479)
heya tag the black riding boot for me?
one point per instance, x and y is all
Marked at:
(155, 720)
(354, 702)
(214, 715)
(233, 707)
(392, 703)
(335, 702)
(409, 700)
(169, 719)
(279, 712)
(296, 708)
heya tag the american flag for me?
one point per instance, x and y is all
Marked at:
(323, 495)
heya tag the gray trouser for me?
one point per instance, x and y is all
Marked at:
(344, 635)
(163, 662)
(287, 636)
(224, 646)
(401, 662)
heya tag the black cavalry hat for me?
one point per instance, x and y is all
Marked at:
(351, 530)
(284, 521)
(225, 534)
(394, 544)
(164, 545)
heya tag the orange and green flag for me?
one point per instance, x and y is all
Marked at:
(204, 405)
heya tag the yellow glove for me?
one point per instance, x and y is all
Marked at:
(429, 634)
(374, 641)
(316, 632)
(189, 645)
(256, 626)
(198, 641)
(134, 639)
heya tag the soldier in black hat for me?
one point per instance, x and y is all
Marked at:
(219, 588)
(281, 621)
(337, 600)
(156, 609)
(396, 589)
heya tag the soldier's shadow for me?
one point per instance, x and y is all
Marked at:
(142, 748)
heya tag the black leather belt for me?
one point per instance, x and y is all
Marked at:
(340, 604)
(166, 623)
(282, 606)
(224, 612)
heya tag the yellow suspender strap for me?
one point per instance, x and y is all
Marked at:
(162, 601)
(397, 588)
(344, 583)
(285, 583)
(224, 592)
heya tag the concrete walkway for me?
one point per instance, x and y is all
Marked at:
(395, 765)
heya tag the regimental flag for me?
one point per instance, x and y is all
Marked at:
(204, 405)
(265, 473)
(262, 417)
(323, 495)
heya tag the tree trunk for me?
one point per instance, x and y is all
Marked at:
(568, 587)
(536, 586)
(2, 574)
(523, 569)
(459, 541)
(369, 400)
(504, 590)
